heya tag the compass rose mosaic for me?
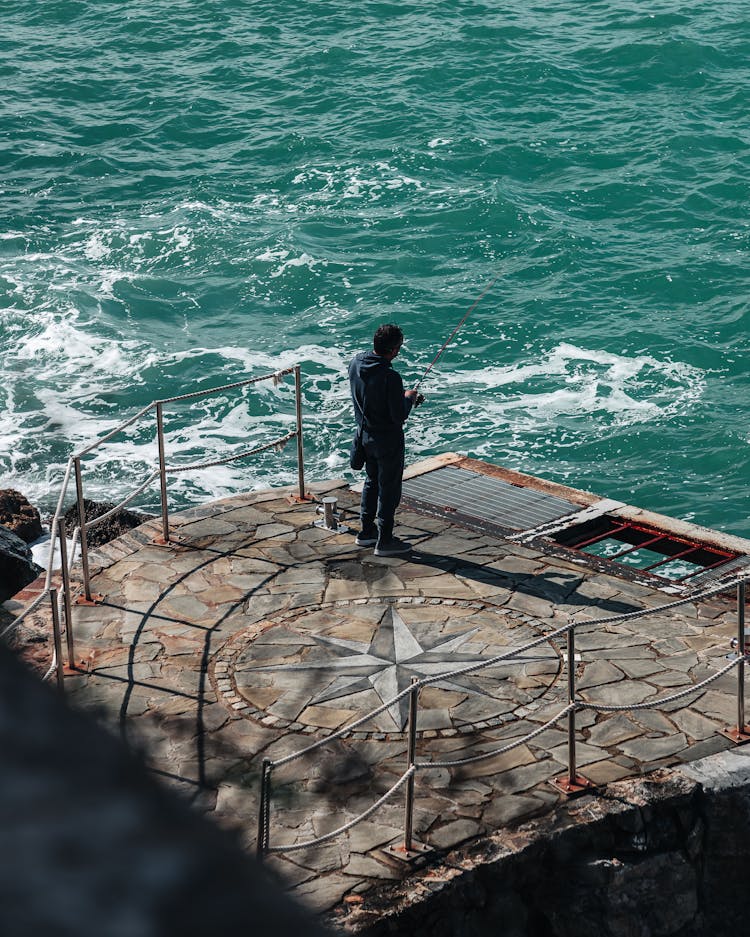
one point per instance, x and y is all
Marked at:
(319, 668)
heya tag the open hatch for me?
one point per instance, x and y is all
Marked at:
(644, 548)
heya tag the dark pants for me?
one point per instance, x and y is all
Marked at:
(384, 465)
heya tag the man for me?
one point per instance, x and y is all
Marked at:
(380, 408)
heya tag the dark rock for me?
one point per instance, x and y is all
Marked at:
(17, 568)
(19, 516)
(120, 523)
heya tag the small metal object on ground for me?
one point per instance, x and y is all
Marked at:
(735, 735)
(175, 540)
(300, 499)
(570, 788)
(398, 851)
(95, 599)
(330, 517)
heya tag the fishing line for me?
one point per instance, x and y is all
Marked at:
(450, 337)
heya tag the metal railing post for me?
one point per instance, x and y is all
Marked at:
(411, 754)
(571, 701)
(741, 653)
(57, 641)
(65, 572)
(300, 450)
(572, 783)
(162, 473)
(264, 810)
(84, 540)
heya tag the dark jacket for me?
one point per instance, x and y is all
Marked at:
(380, 407)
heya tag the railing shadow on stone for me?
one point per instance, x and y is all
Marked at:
(570, 783)
(62, 599)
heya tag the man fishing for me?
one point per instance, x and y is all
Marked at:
(381, 407)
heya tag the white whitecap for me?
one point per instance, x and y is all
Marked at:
(304, 260)
(590, 382)
(95, 248)
(269, 255)
(42, 548)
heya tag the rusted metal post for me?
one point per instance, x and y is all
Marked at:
(65, 572)
(300, 449)
(411, 754)
(264, 810)
(740, 733)
(56, 638)
(162, 473)
(741, 644)
(82, 522)
(572, 783)
(571, 701)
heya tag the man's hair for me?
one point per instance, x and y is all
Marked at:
(386, 338)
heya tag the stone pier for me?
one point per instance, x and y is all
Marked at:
(257, 633)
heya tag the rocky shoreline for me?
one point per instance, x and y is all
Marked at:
(21, 525)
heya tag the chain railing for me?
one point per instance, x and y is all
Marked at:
(61, 606)
(570, 783)
(61, 600)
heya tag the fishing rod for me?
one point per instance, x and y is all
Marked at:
(450, 337)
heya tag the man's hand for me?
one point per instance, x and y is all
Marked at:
(415, 397)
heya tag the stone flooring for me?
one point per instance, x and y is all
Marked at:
(259, 633)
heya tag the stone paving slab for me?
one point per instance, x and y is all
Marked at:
(258, 634)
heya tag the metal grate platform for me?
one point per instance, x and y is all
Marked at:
(731, 566)
(484, 498)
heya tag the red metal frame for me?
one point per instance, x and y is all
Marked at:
(678, 556)
(655, 536)
(639, 546)
(602, 536)
(728, 556)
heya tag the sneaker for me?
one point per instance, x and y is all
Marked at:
(367, 537)
(392, 547)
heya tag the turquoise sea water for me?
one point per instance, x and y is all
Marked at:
(193, 192)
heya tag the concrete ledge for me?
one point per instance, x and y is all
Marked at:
(660, 855)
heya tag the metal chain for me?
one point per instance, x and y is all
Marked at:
(55, 522)
(352, 823)
(343, 731)
(470, 668)
(274, 376)
(572, 626)
(498, 751)
(277, 443)
(652, 704)
(721, 586)
(121, 505)
(26, 612)
(73, 547)
(499, 658)
(111, 433)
